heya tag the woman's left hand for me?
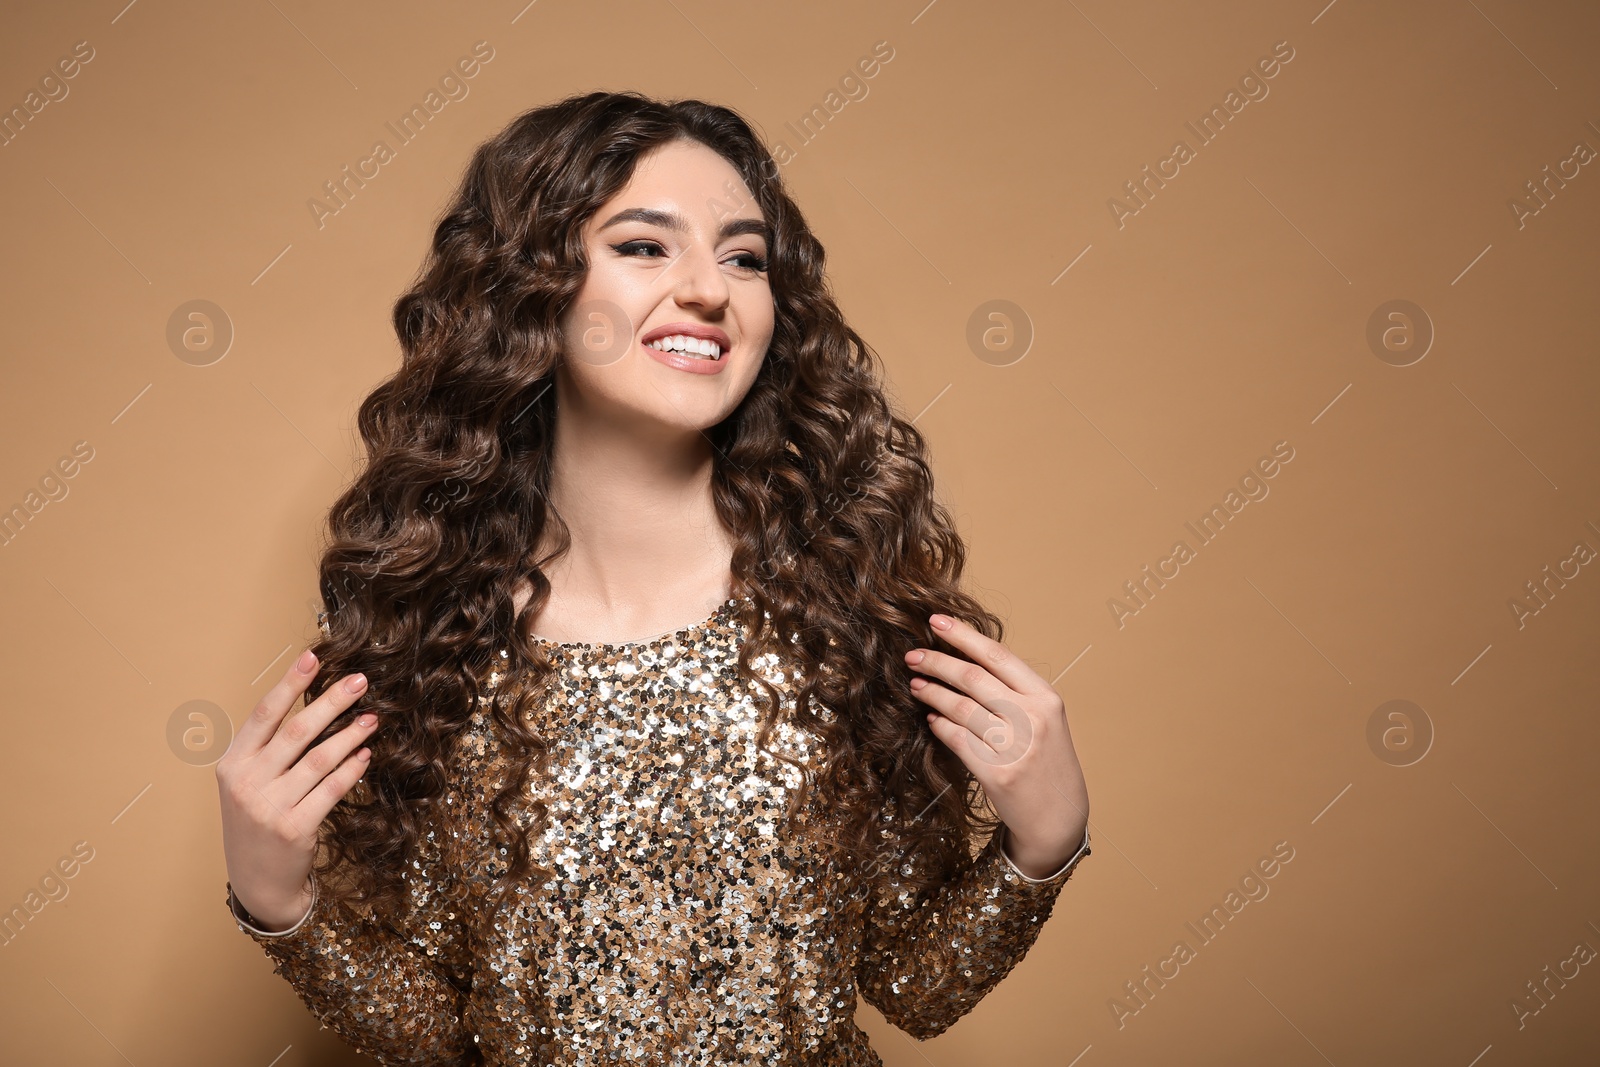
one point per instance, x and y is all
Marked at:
(1009, 727)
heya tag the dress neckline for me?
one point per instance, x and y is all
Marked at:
(724, 610)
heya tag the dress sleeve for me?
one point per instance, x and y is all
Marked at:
(393, 988)
(924, 964)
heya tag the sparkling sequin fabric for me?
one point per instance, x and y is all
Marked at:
(683, 927)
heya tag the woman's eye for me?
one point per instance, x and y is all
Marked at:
(746, 260)
(630, 247)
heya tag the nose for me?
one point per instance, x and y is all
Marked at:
(698, 279)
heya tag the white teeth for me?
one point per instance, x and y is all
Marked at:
(692, 346)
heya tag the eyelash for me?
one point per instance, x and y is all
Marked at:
(760, 262)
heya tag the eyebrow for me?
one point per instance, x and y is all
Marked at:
(673, 221)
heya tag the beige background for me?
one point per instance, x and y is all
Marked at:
(1229, 313)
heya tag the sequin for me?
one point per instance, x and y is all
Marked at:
(681, 926)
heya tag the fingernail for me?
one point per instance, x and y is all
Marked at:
(355, 683)
(942, 622)
(916, 655)
(367, 720)
(306, 661)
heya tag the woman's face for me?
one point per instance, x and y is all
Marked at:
(682, 250)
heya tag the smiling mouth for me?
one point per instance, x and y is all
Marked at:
(693, 347)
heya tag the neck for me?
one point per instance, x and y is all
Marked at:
(637, 502)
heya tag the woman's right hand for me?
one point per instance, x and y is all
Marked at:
(275, 794)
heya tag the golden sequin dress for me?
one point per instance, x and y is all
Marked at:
(683, 927)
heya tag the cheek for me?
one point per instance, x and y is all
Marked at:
(753, 371)
(593, 382)
(599, 332)
(611, 292)
(626, 283)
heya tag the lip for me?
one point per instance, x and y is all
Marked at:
(687, 363)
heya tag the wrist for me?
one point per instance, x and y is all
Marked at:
(274, 918)
(1041, 862)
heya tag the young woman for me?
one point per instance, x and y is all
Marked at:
(507, 829)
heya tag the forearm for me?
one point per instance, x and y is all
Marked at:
(376, 989)
(927, 966)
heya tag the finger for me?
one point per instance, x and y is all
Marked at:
(958, 740)
(957, 673)
(262, 723)
(996, 735)
(990, 654)
(315, 807)
(318, 763)
(292, 738)
(958, 708)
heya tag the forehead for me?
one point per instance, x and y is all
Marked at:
(683, 185)
(680, 162)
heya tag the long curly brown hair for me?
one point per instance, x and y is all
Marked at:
(839, 542)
